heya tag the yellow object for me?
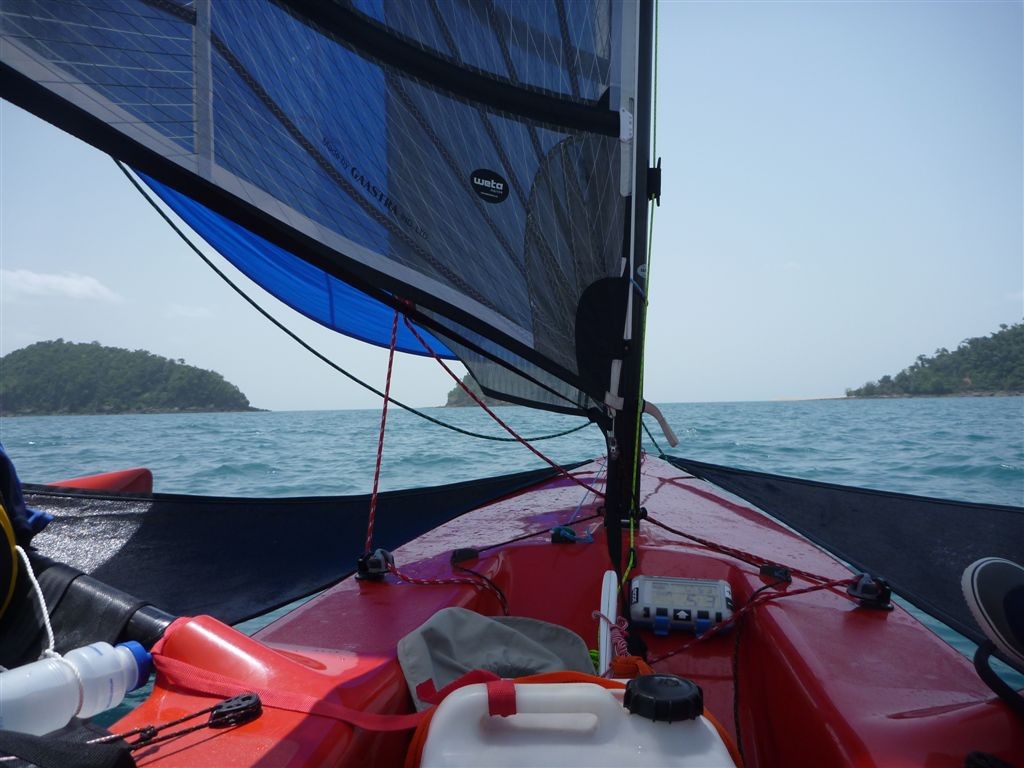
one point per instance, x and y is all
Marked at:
(7, 552)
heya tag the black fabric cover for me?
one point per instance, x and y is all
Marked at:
(82, 609)
(22, 633)
(919, 545)
(65, 748)
(235, 558)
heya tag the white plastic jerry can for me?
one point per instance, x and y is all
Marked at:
(575, 724)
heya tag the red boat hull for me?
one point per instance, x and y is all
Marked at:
(819, 681)
(137, 480)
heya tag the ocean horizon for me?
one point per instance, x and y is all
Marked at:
(965, 448)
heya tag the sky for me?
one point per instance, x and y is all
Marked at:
(843, 191)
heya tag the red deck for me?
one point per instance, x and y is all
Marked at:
(821, 682)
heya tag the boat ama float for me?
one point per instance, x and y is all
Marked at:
(472, 181)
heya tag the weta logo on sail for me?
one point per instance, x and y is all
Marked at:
(488, 185)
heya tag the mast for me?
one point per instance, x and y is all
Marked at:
(623, 480)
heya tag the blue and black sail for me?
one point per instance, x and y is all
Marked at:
(468, 163)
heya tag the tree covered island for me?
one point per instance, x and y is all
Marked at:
(61, 377)
(457, 397)
(985, 365)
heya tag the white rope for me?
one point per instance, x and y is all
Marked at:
(50, 649)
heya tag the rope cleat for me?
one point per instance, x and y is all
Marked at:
(871, 592)
(374, 566)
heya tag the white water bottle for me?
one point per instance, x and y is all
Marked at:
(43, 696)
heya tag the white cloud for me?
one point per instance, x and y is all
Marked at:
(187, 311)
(23, 282)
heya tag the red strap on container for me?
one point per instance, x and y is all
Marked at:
(426, 691)
(501, 698)
(501, 694)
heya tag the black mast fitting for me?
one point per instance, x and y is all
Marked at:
(623, 484)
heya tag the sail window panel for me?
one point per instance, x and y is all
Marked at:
(139, 62)
(561, 48)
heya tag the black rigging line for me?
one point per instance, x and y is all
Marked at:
(657, 447)
(177, 230)
(541, 532)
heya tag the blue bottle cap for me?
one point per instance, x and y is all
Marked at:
(143, 660)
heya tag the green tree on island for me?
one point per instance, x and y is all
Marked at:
(61, 377)
(982, 365)
(457, 397)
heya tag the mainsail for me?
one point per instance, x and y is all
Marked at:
(469, 163)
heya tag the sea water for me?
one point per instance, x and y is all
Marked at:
(969, 449)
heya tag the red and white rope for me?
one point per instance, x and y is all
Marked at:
(452, 580)
(380, 440)
(617, 631)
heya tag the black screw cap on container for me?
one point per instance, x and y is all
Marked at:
(664, 697)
